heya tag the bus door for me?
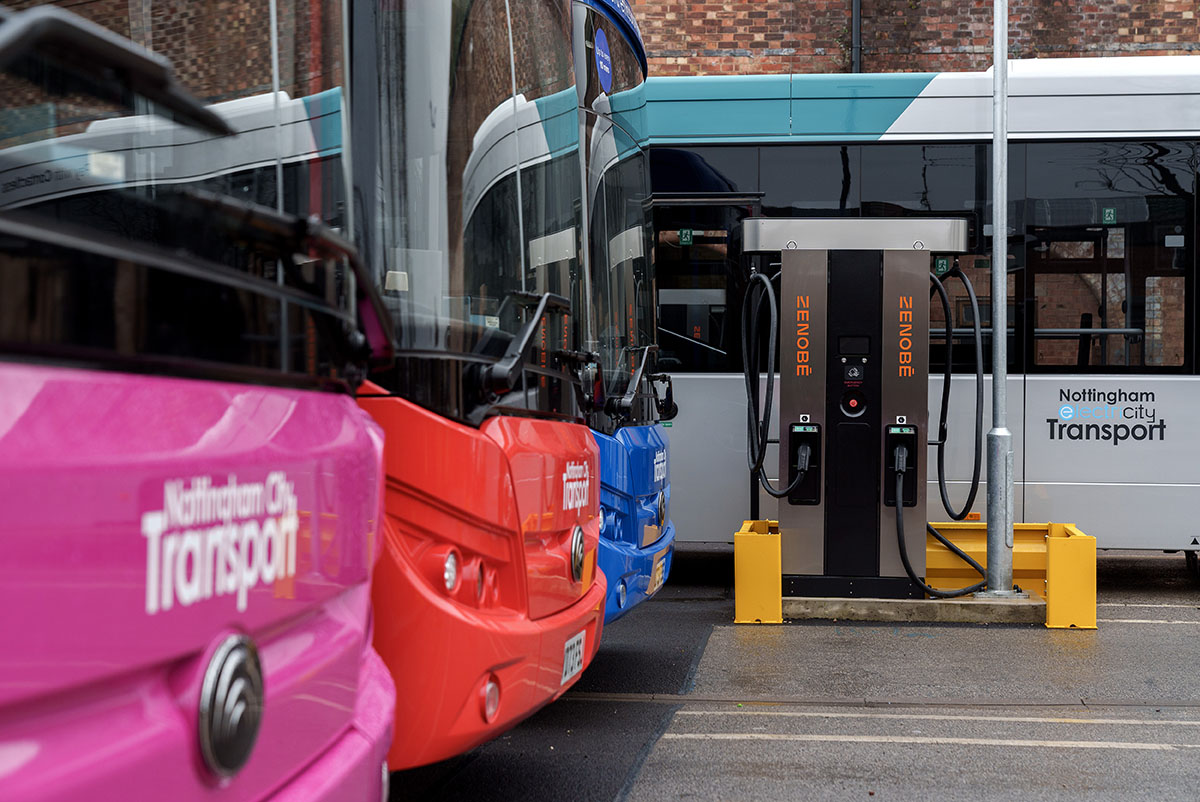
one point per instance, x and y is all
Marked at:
(701, 282)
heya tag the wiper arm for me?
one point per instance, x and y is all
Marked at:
(88, 50)
(501, 377)
(623, 407)
(521, 298)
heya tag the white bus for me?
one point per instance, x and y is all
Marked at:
(1101, 275)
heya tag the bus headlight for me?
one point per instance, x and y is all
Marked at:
(450, 571)
(490, 699)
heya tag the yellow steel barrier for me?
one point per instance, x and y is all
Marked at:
(945, 570)
(1054, 561)
(757, 576)
(1070, 578)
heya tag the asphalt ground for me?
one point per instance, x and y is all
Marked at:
(681, 704)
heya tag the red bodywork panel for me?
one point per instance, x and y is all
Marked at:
(495, 497)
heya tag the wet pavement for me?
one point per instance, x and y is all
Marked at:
(681, 704)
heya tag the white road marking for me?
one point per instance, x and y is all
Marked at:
(1141, 621)
(1102, 484)
(925, 740)
(941, 717)
(1134, 604)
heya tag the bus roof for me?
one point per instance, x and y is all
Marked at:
(620, 14)
(1116, 97)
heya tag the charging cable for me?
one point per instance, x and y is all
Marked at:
(758, 424)
(939, 287)
(901, 465)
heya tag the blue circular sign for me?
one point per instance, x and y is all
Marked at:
(603, 60)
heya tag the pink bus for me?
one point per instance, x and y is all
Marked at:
(190, 496)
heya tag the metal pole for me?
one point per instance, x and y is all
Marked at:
(999, 439)
(856, 36)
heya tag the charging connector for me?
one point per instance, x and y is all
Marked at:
(803, 455)
(803, 443)
(901, 441)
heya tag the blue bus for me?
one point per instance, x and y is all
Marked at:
(632, 396)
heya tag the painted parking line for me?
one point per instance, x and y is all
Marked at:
(1143, 621)
(1138, 604)
(942, 717)
(924, 740)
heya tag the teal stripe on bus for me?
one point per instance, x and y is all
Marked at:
(721, 108)
(324, 111)
(847, 105)
(559, 114)
(629, 111)
(779, 108)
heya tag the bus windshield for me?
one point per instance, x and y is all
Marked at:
(618, 181)
(468, 194)
(151, 222)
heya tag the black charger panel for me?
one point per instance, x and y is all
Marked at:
(808, 492)
(900, 436)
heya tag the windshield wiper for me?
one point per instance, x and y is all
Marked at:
(501, 377)
(622, 408)
(106, 65)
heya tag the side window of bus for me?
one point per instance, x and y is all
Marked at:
(950, 180)
(1110, 244)
(831, 185)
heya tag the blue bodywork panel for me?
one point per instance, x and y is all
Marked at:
(634, 551)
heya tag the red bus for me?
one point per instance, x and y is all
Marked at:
(467, 204)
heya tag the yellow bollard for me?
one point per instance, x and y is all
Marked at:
(757, 575)
(1070, 578)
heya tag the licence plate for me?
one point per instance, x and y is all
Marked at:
(656, 576)
(573, 657)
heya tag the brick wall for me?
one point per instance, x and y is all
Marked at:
(771, 36)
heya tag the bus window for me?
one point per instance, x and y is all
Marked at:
(812, 180)
(1110, 252)
(123, 171)
(705, 170)
(951, 180)
(700, 283)
(934, 180)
